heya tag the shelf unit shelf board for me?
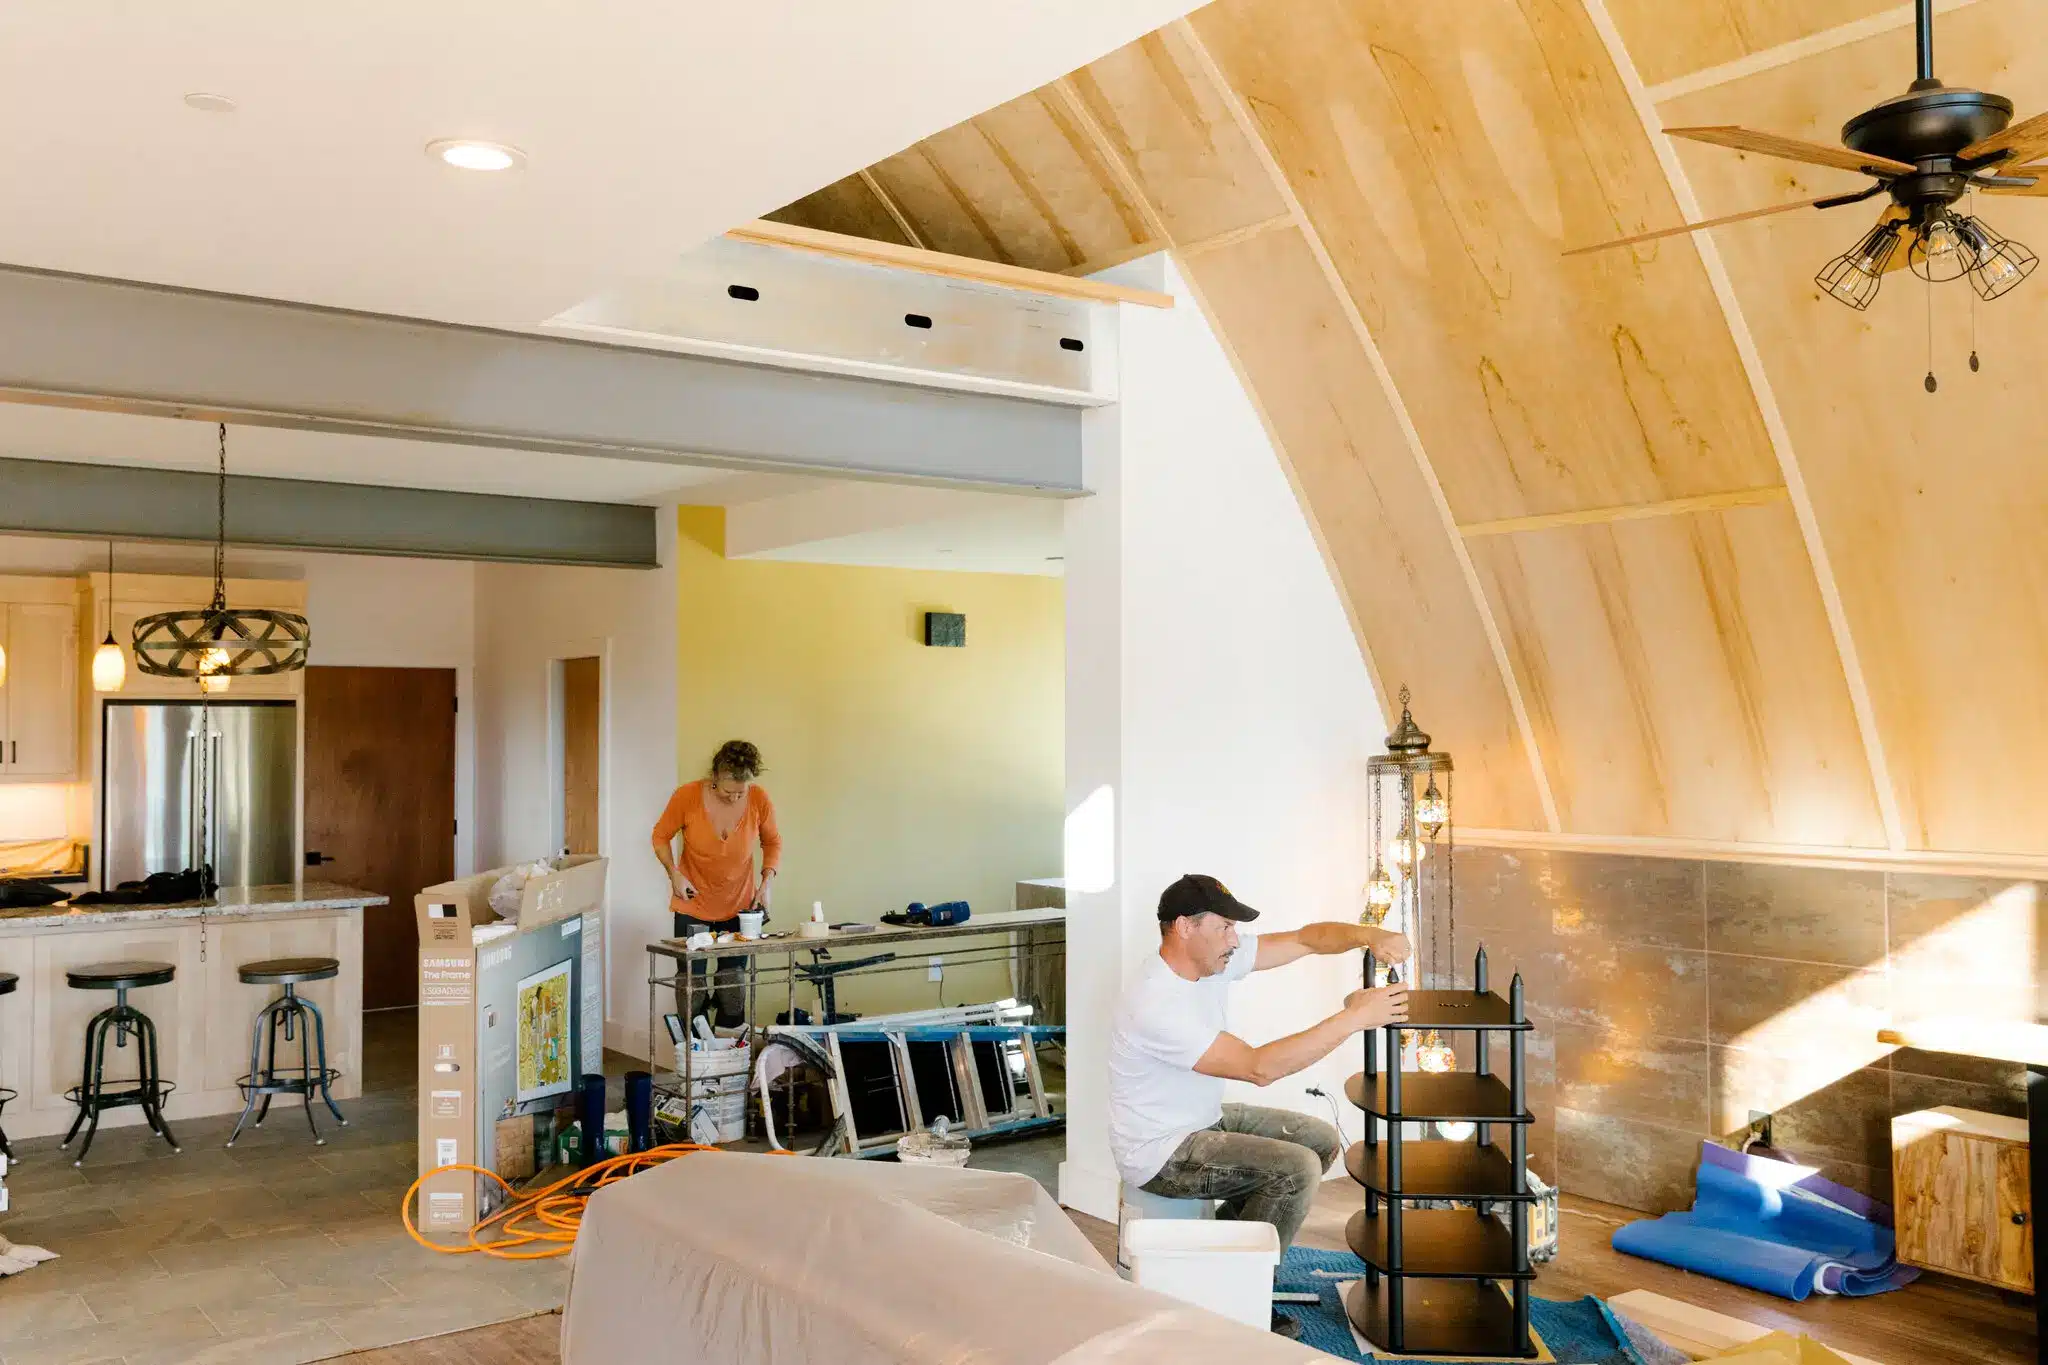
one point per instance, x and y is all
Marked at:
(1438, 1243)
(1436, 1168)
(1452, 1096)
(1463, 1319)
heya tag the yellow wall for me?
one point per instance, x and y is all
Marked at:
(899, 772)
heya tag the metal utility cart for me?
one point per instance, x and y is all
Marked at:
(1444, 1281)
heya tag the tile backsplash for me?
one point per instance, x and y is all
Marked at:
(1675, 996)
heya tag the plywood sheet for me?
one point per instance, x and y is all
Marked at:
(1172, 129)
(1021, 183)
(1446, 155)
(1668, 40)
(847, 206)
(1681, 680)
(1930, 505)
(1368, 500)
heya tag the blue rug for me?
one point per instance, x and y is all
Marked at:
(1776, 1227)
(1577, 1332)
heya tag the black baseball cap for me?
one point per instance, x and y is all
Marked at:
(1195, 894)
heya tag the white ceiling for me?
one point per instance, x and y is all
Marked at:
(648, 127)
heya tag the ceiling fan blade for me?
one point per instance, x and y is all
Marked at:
(2038, 188)
(1684, 228)
(1792, 149)
(2021, 141)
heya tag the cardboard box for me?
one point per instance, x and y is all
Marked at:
(477, 973)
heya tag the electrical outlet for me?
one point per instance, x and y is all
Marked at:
(936, 969)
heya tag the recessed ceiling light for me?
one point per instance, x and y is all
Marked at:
(209, 104)
(470, 155)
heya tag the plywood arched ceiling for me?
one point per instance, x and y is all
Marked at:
(1671, 550)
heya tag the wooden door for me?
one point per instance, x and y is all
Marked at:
(582, 701)
(41, 727)
(380, 804)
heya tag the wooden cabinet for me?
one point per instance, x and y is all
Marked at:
(39, 701)
(1960, 1184)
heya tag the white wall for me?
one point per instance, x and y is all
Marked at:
(527, 617)
(1243, 716)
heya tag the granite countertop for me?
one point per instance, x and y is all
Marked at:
(229, 900)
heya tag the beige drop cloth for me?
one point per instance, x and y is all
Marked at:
(729, 1259)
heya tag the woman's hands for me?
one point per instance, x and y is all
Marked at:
(684, 887)
(765, 898)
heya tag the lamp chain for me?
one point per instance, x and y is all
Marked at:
(220, 540)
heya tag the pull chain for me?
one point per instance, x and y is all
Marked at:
(1931, 386)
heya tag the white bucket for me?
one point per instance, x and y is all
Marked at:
(1224, 1266)
(724, 1057)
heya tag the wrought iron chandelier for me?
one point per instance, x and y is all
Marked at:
(219, 642)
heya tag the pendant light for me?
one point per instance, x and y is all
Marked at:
(109, 665)
(217, 643)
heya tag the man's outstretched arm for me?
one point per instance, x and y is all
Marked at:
(1323, 938)
(1233, 1059)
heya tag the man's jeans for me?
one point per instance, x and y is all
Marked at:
(1263, 1164)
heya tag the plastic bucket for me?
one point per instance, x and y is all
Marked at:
(1224, 1266)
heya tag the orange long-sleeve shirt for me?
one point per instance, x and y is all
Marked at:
(722, 870)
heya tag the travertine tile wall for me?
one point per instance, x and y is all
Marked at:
(1673, 997)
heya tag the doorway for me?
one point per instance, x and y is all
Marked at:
(380, 804)
(582, 712)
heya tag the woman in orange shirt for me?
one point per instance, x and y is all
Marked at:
(723, 817)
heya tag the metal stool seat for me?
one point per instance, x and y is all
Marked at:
(119, 976)
(8, 981)
(299, 1019)
(91, 1095)
(289, 971)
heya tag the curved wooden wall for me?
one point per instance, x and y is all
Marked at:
(1676, 555)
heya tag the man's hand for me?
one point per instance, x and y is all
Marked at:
(1378, 1008)
(1389, 947)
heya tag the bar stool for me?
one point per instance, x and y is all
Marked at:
(300, 1019)
(92, 1096)
(8, 981)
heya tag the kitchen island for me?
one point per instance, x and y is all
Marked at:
(203, 1017)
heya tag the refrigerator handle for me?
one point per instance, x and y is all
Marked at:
(192, 789)
(212, 803)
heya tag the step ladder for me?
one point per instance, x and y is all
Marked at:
(897, 1074)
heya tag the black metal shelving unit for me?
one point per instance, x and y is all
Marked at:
(1434, 1277)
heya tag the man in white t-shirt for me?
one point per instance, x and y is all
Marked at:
(1171, 1050)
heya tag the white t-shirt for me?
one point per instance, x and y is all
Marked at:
(1163, 1025)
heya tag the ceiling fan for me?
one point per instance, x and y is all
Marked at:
(1925, 149)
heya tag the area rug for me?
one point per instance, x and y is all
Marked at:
(1578, 1332)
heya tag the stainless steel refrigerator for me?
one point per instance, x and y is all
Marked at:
(185, 785)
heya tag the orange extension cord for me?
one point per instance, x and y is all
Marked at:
(555, 1212)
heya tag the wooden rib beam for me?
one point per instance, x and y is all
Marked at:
(1255, 137)
(1784, 54)
(890, 207)
(1588, 516)
(1236, 235)
(1774, 424)
(867, 252)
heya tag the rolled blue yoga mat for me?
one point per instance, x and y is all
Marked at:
(1771, 1226)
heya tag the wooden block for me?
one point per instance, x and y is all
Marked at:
(1962, 1183)
(513, 1158)
(1699, 1332)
